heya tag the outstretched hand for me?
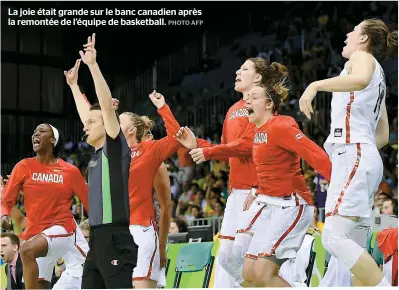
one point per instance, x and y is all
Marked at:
(90, 54)
(157, 99)
(186, 137)
(72, 75)
(305, 102)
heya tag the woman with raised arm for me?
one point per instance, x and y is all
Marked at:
(359, 128)
(283, 211)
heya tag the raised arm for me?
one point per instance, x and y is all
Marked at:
(103, 92)
(362, 66)
(166, 146)
(294, 140)
(171, 124)
(81, 101)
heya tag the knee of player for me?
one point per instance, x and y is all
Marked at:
(264, 275)
(27, 250)
(248, 274)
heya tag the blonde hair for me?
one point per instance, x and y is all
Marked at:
(143, 124)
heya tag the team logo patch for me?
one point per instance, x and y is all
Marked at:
(115, 262)
(338, 132)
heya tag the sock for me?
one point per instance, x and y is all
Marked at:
(384, 283)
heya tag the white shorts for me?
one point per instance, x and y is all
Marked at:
(233, 213)
(76, 258)
(67, 281)
(277, 230)
(148, 259)
(60, 242)
(357, 171)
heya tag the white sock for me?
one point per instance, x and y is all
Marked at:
(384, 283)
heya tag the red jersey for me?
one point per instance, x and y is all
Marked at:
(276, 148)
(242, 169)
(48, 194)
(147, 156)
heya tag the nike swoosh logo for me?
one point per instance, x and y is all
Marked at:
(340, 153)
(145, 230)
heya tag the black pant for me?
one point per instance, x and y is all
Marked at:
(111, 258)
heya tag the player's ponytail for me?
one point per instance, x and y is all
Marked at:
(148, 123)
(143, 124)
(280, 91)
(280, 72)
(271, 73)
(381, 44)
(277, 92)
(392, 42)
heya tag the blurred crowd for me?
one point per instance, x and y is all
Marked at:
(311, 49)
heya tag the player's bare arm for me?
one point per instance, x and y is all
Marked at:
(162, 188)
(360, 66)
(18, 217)
(382, 130)
(103, 92)
(81, 102)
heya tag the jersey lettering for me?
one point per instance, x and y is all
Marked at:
(381, 96)
(135, 154)
(260, 138)
(238, 113)
(48, 177)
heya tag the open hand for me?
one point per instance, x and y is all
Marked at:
(305, 102)
(90, 54)
(72, 75)
(186, 137)
(198, 155)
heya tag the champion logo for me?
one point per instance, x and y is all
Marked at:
(298, 136)
(115, 262)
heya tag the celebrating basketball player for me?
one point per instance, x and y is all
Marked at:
(49, 184)
(359, 127)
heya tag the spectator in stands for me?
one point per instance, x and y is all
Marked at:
(193, 189)
(78, 215)
(10, 254)
(174, 187)
(183, 200)
(84, 226)
(393, 134)
(219, 209)
(390, 207)
(200, 200)
(178, 226)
